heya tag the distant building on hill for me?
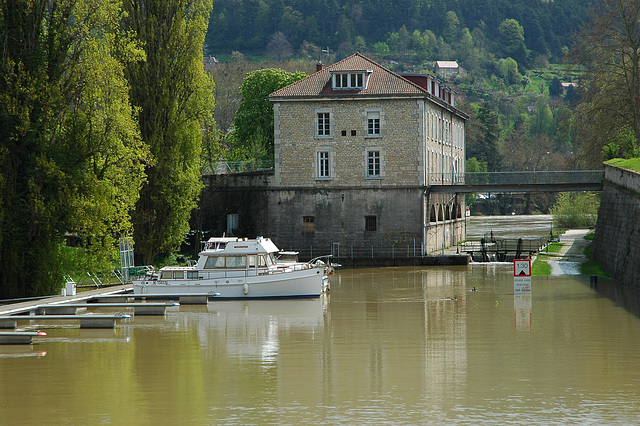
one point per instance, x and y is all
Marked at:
(447, 69)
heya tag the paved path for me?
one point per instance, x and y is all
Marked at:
(567, 261)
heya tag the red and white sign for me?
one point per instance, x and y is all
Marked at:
(522, 268)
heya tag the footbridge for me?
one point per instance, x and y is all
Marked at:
(516, 182)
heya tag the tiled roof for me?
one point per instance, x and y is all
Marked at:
(446, 64)
(382, 82)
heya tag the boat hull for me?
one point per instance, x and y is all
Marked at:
(304, 283)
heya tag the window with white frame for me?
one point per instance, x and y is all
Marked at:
(373, 123)
(324, 164)
(373, 164)
(324, 123)
(350, 79)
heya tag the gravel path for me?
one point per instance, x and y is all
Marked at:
(567, 261)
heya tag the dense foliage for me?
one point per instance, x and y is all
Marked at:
(249, 25)
(575, 210)
(609, 51)
(253, 126)
(71, 157)
(175, 98)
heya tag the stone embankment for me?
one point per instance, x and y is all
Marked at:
(616, 246)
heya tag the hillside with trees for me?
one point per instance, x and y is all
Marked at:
(344, 25)
(522, 117)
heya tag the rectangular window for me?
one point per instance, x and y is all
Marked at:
(233, 220)
(323, 164)
(370, 223)
(214, 262)
(308, 224)
(236, 262)
(373, 163)
(349, 80)
(373, 124)
(192, 275)
(324, 128)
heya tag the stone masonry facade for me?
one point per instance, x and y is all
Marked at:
(352, 167)
(419, 141)
(616, 245)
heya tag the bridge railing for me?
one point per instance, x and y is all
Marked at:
(228, 167)
(516, 178)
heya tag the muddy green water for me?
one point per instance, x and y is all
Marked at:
(387, 346)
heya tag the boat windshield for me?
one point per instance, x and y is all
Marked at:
(270, 259)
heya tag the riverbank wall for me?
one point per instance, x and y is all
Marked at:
(616, 245)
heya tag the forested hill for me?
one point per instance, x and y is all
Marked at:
(248, 26)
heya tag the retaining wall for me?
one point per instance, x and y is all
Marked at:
(616, 245)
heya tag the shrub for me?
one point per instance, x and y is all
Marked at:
(575, 210)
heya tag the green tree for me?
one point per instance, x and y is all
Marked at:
(253, 125)
(509, 71)
(381, 48)
(555, 88)
(175, 99)
(485, 148)
(609, 50)
(451, 31)
(71, 158)
(575, 210)
(511, 38)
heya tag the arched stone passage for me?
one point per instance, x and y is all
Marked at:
(447, 212)
(440, 214)
(432, 214)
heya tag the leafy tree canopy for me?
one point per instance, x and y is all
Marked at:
(175, 98)
(253, 125)
(71, 156)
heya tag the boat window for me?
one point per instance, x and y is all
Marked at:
(178, 275)
(261, 262)
(214, 262)
(270, 259)
(192, 275)
(166, 275)
(236, 262)
(251, 259)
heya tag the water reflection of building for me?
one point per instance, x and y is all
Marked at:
(403, 334)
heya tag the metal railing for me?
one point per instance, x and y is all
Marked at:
(229, 167)
(516, 178)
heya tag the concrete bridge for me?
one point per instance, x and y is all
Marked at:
(516, 182)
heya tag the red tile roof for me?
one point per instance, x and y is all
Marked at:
(382, 82)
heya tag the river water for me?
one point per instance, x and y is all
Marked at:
(387, 346)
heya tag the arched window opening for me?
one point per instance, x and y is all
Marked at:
(432, 214)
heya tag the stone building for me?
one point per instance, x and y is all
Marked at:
(356, 148)
(447, 69)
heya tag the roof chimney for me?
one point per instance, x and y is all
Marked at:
(318, 66)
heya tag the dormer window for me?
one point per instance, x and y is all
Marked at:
(345, 80)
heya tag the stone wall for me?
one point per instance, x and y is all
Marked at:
(338, 216)
(616, 245)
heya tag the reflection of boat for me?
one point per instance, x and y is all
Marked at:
(258, 329)
(232, 267)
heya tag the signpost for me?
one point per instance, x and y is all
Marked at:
(522, 276)
(522, 293)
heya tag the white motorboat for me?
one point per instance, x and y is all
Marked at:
(237, 268)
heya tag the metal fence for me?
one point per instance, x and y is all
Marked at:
(228, 167)
(517, 178)
(340, 251)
